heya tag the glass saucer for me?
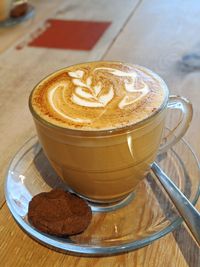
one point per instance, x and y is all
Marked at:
(147, 216)
(13, 21)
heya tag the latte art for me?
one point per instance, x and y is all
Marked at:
(98, 95)
(56, 109)
(90, 96)
(129, 87)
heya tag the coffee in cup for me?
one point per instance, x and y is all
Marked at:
(5, 7)
(100, 125)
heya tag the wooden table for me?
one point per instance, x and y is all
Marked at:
(162, 35)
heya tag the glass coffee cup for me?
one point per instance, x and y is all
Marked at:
(100, 125)
(5, 7)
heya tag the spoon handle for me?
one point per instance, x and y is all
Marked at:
(188, 212)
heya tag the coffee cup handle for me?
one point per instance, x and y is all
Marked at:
(182, 104)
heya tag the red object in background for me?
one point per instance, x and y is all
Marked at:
(70, 34)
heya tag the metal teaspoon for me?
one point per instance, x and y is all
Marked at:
(188, 212)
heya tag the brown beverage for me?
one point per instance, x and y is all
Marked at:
(5, 7)
(100, 125)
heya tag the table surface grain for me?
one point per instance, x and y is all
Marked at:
(161, 35)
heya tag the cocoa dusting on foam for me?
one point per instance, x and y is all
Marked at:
(98, 96)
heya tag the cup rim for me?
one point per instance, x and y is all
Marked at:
(104, 132)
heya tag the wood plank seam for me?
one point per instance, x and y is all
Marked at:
(123, 26)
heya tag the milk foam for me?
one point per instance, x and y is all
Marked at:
(98, 95)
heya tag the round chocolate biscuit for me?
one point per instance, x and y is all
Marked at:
(59, 213)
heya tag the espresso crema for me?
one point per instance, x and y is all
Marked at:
(98, 96)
